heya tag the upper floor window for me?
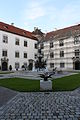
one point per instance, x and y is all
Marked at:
(25, 43)
(35, 45)
(61, 53)
(51, 55)
(77, 52)
(17, 54)
(35, 56)
(51, 65)
(17, 41)
(42, 46)
(61, 43)
(5, 38)
(25, 55)
(76, 40)
(51, 45)
(4, 53)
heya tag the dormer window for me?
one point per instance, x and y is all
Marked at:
(24, 33)
(5, 39)
(6, 27)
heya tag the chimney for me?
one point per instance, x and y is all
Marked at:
(12, 24)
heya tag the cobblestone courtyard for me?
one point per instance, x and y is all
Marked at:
(43, 106)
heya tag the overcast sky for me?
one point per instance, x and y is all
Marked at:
(45, 14)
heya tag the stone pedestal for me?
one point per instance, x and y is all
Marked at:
(45, 85)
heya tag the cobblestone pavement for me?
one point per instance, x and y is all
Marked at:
(43, 106)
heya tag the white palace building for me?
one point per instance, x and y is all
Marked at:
(18, 47)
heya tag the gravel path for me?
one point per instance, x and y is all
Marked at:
(43, 106)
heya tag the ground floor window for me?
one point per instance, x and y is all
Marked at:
(17, 65)
(62, 65)
(25, 65)
(51, 65)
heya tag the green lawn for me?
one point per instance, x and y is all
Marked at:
(67, 83)
(20, 84)
(6, 72)
(60, 84)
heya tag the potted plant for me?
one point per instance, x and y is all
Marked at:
(45, 84)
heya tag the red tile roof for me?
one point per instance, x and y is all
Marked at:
(17, 31)
(64, 33)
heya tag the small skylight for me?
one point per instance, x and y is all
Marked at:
(6, 27)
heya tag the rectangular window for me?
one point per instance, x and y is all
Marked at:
(25, 43)
(62, 65)
(17, 54)
(17, 65)
(35, 45)
(51, 45)
(35, 56)
(25, 55)
(76, 40)
(25, 65)
(5, 39)
(77, 52)
(42, 46)
(4, 53)
(51, 55)
(61, 53)
(17, 41)
(51, 65)
(61, 43)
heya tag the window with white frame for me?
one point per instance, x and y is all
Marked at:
(77, 52)
(25, 55)
(35, 46)
(51, 65)
(62, 65)
(61, 53)
(4, 53)
(17, 54)
(5, 39)
(61, 42)
(17, 65)
(52, 55)
(35, 56)
(17, 41)
(25, 64)
(51, 45)
(25, 43)
(76, 39)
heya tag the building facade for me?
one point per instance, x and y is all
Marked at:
(62, 48)
(17, 47)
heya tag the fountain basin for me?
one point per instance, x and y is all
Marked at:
(45, 85)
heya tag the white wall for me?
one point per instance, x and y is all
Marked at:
(11, 48)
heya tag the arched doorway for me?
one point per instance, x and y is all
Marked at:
(77, 65)
(4, 66)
